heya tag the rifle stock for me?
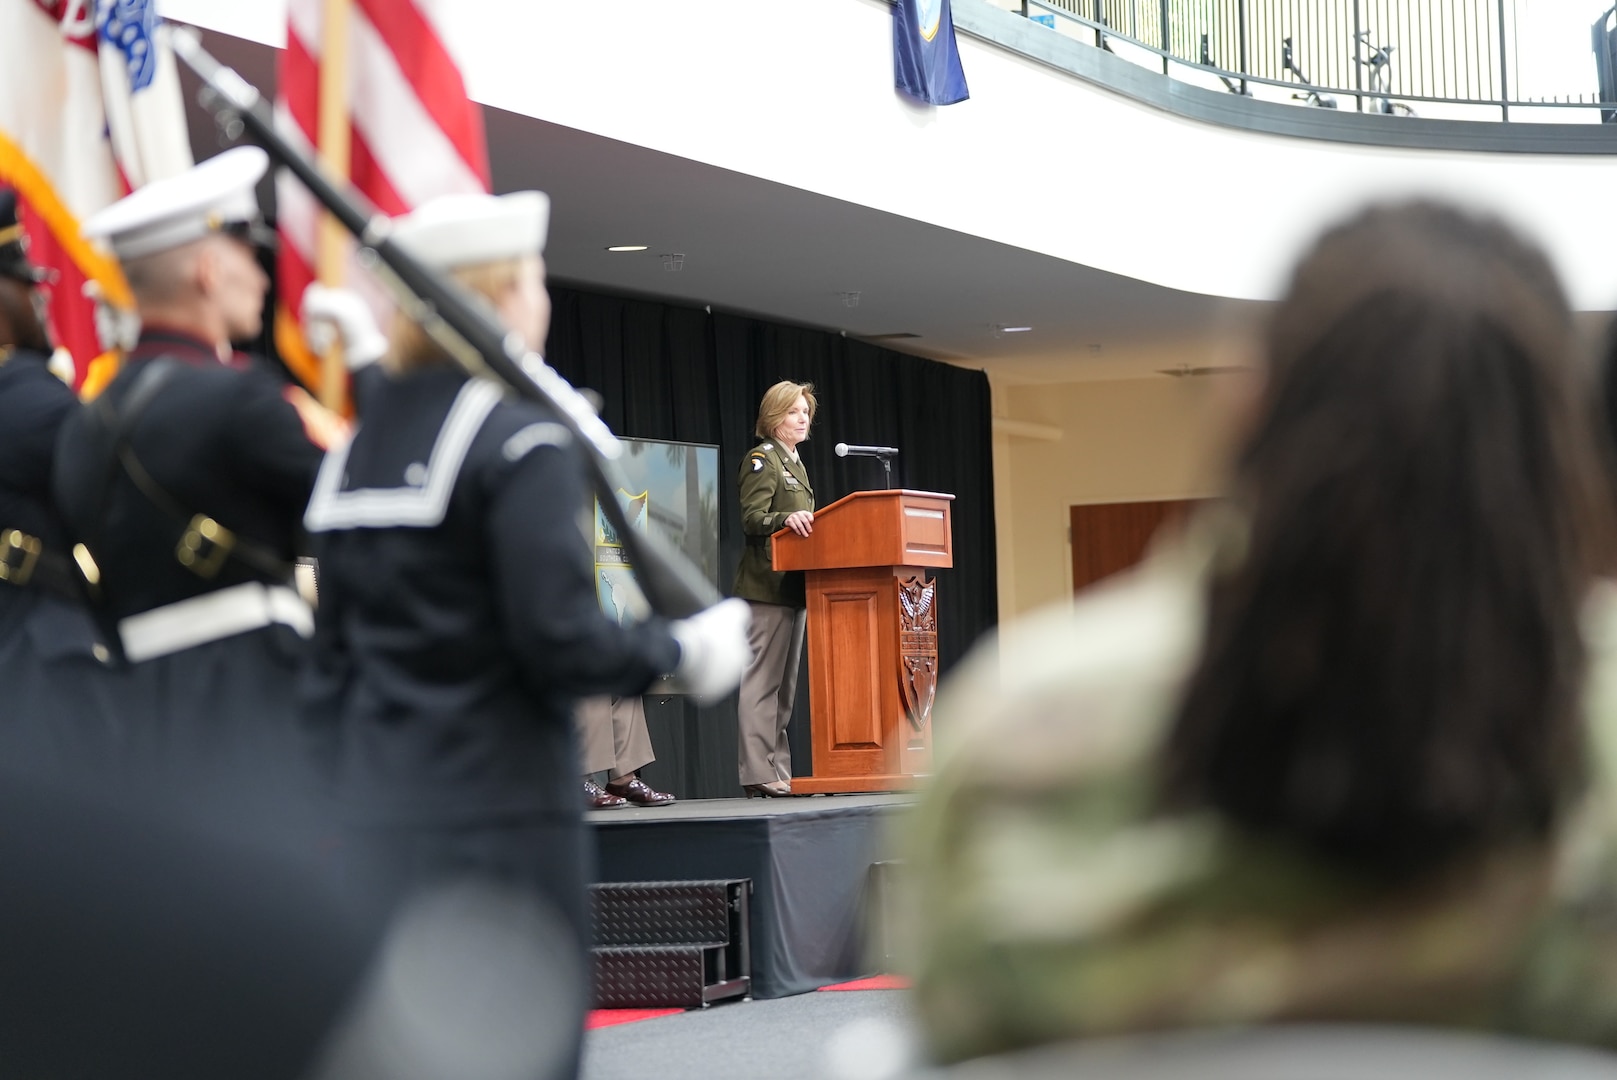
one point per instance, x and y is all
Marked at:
(672, 585)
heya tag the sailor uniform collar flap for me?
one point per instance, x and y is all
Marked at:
(422, 501)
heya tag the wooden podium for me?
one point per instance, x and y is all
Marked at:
(872, 635)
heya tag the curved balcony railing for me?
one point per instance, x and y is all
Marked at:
(1453, 59)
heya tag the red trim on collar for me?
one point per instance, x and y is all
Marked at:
(182, 345)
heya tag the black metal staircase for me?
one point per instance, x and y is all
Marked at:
(671, 944)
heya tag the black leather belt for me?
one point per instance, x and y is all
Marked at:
(26, 563)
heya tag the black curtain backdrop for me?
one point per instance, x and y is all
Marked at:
(671, 372)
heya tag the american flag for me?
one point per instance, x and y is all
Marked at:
(413, 134)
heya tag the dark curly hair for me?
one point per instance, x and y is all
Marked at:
(1392, 670)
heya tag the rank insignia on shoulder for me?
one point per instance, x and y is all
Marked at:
(757, 463)
(767, 446)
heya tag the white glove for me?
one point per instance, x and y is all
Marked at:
(713, 650)
(341, 315)
(116, 329)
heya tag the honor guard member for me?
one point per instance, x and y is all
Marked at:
(57, 687)
(187, 478)
(775, 494)
(458, 621)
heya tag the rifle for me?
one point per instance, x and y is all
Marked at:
(672, 584)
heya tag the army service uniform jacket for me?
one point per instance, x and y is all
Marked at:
(773, 487)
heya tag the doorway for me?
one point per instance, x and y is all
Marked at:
(1109, 537)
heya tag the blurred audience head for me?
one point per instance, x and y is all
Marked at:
(1608, 393)
(1393, 663)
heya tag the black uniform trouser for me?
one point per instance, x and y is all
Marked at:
(59, 703)
(539, 857)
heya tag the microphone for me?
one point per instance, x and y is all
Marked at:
(844, 449)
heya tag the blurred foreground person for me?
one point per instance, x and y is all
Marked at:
(186, 480)
(171, 933)
(458, 620)
(59, 690)
(168, 933)
(1346, 751)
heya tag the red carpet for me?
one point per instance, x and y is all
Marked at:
(600, 1018)
(875, 982)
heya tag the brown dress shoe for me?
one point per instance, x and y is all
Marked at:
(598, 798)
(638, 791)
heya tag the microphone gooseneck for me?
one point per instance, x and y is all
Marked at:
(846, 449)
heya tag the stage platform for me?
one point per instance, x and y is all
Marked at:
(808, 858)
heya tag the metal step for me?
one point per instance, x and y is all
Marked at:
(671, 943)
(665, 976)
(668, 912)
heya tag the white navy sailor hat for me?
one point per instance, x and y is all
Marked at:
(463, 230)
(214, 196)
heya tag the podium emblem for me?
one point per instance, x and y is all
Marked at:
(918, 648)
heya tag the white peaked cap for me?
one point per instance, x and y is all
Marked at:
(179, 209)
(463, 230)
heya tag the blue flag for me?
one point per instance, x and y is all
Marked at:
(926, 62)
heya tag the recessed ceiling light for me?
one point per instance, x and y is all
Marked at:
(628, 247)
(1014, 329)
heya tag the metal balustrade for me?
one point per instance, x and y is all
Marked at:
(1459, 59)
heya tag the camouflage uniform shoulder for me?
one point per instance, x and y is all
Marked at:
(1090, 684)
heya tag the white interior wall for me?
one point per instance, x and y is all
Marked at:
(1131, 440)
(802, 95)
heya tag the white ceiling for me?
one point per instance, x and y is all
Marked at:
(766, 249)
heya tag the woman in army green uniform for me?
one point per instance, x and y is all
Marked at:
(775, 494)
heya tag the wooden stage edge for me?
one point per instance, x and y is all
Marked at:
(848, 785)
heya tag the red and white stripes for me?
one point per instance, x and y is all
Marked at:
(414, 134)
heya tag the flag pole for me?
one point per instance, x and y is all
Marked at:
(334, 141)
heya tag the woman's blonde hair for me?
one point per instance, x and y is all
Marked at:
(778, 401)
(410, 347)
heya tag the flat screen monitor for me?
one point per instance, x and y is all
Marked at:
(671, 488)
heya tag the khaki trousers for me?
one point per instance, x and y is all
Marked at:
(768, 690)
(612, 735)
